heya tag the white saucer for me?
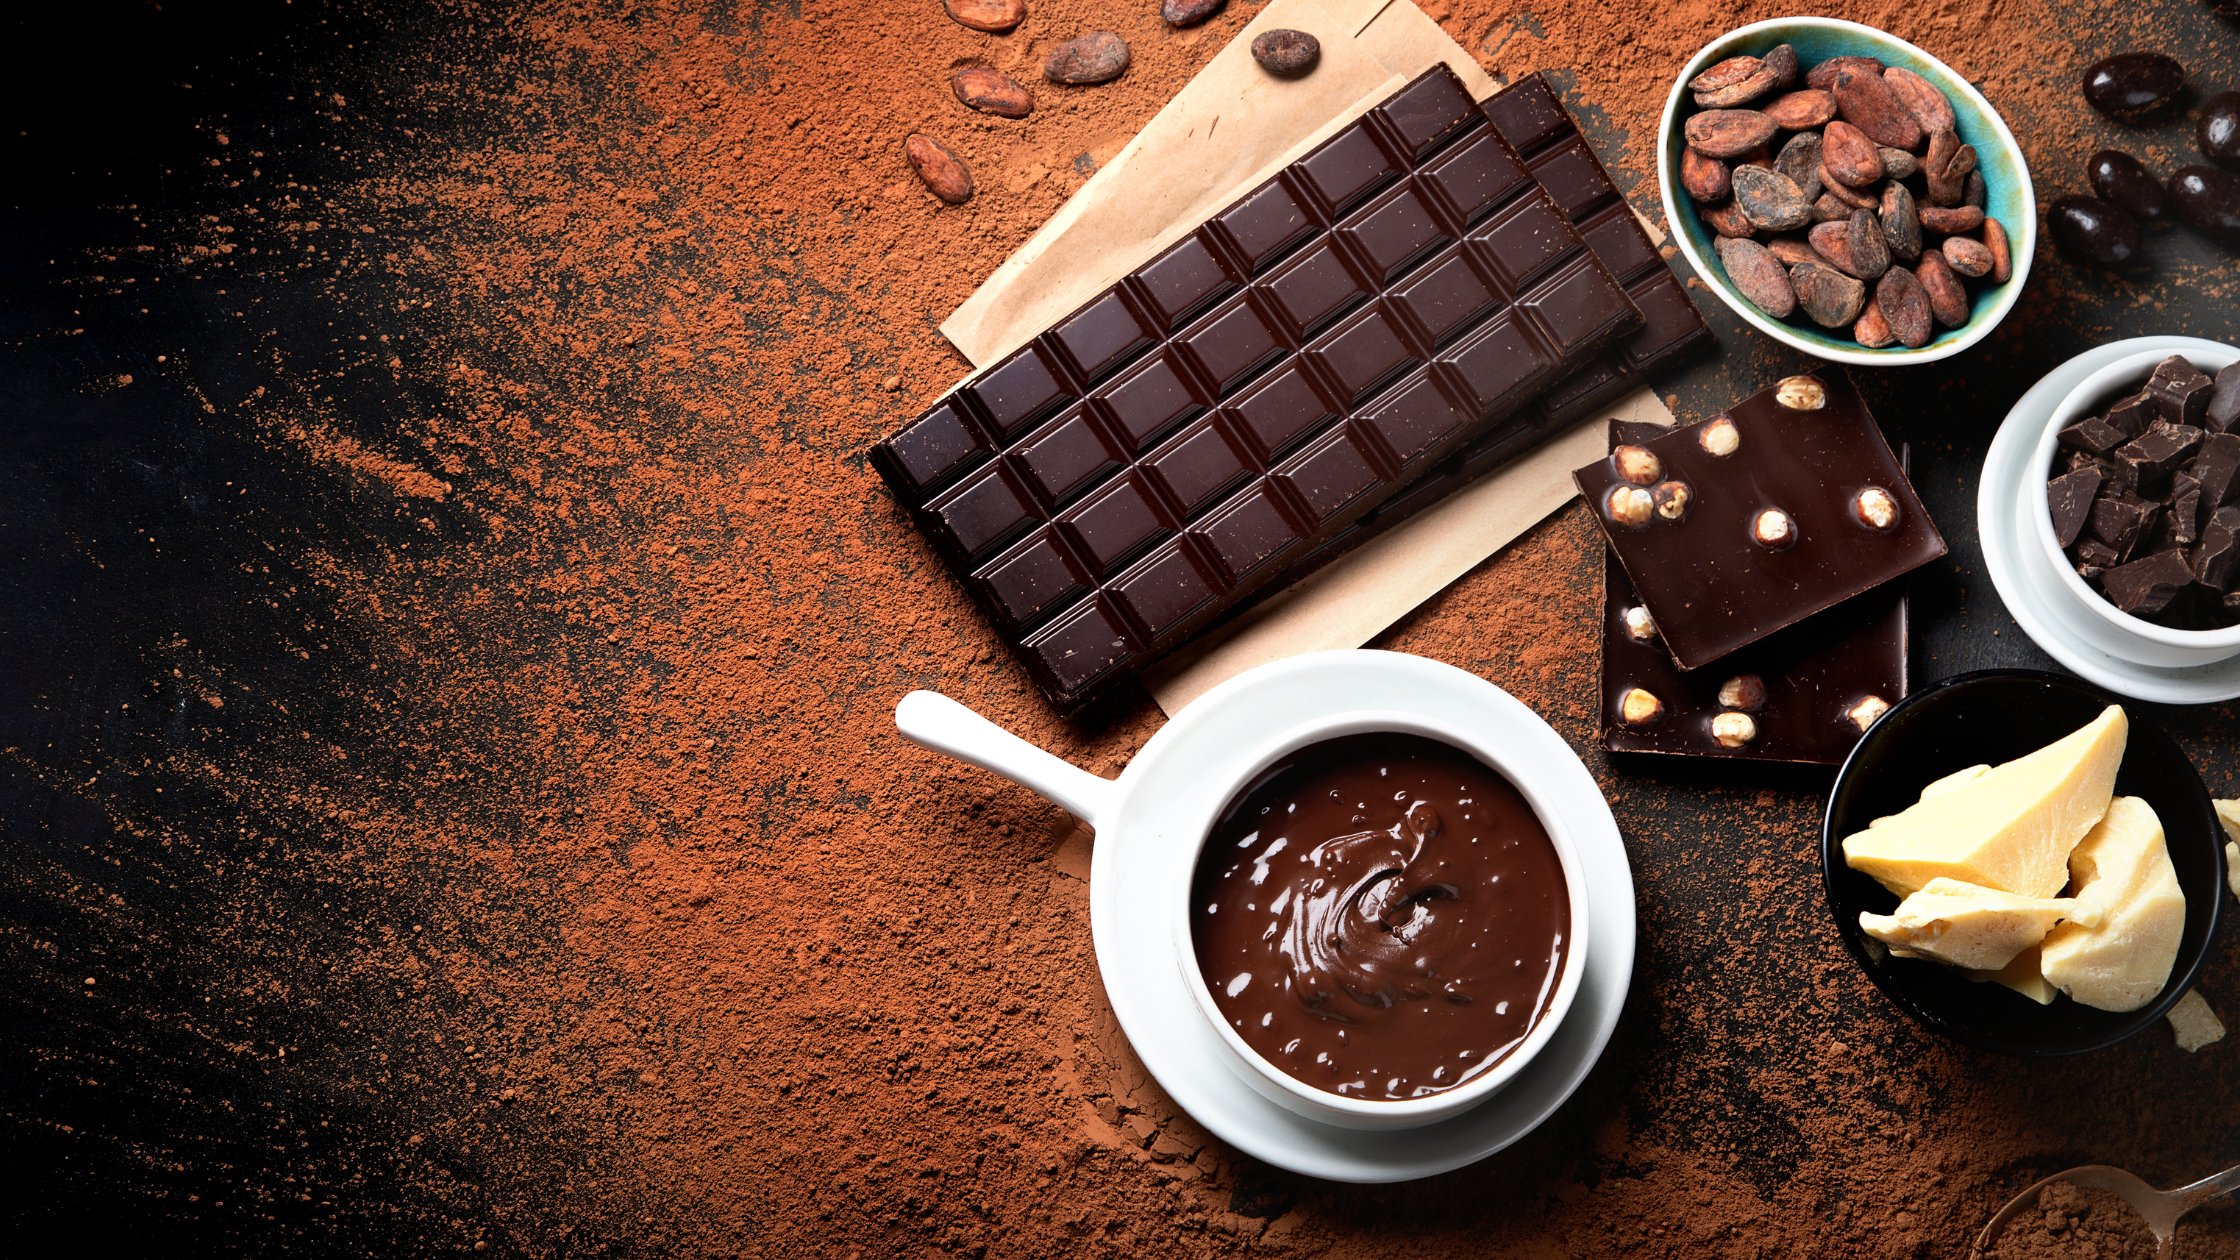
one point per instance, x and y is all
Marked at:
(1999, 525)
(1131, 878)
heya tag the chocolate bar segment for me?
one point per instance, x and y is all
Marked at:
(1180, 440)
(1805, 508)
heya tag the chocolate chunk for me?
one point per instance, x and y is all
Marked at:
(2180, 391)
(2216, 465)
(2120, 522)
(2071, 497)
(2144, 464)
(2132, 416)
(2185, 509)
(2216, 562)
(2222, 415)
(2086, 459)
(2095, 554)
(2094, 434)
(2146, 586)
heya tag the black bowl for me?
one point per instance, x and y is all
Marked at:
(1995, 716)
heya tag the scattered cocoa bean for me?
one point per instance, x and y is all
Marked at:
(1995, 240)
(991, 92)
(1189, 12)
(1726, 219)
(1726, 133)
(1897, 163)
(1951, 219)
(1947, 300)
(1872, 330)
(1782, 60)
(1824, 74)
(1742, 93)
(1832, 243)
(1856, 198)
(992, 16)
(1800, 161)
(1831, 298)
(1758, 276)
(1930, 107)
(1901, 224)
(1098, 57)
(1801, 110)
(1830, 210)
(1726, 74)
(1864, 99)
(1905, 307)
(943, 172)
(1849, 156)
(1770, 199)
(1705, 178)
(1967, 255)
(1870, 254)
(1286, 53)
(1790, 251)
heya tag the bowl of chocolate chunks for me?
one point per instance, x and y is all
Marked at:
(2135, 505)
(1846, 193)
(2024, 863)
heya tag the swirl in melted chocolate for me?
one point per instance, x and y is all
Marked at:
(1381, 916)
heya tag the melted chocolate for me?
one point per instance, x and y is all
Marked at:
(1381, 916)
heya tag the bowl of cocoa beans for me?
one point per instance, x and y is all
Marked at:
(1846, 193)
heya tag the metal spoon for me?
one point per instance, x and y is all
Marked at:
(2161, 1208)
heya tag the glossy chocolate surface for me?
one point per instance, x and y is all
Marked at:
(1173, 445)
(1712, 586)
(1813, 673)
(1381, 916)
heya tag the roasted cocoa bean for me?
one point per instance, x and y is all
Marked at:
(1770, 199)
(1831, 210)
(1950, 186)
(1758, 276)
(1801, 110)
(1800, 161)
(1705, 178)
(1870, 254)
(1951, 219)
(1942, 145)
(1905, 307)
(992, 16)
(2209, 199)
(2123, 179)
(1728, 133)
(1872, 330)
(1929, 107)
(1856, 198)
(1848, 155)
(2095, 231)
(1760, 156)
(992, 92)
(2133, 83)
(1831, 242)
(943, 172)
(1287, 54)
(1966, 255)
(1098, 57)
(1948, 300)
(1995, 240)
(1782, 60)
(1831, 298)
(1742, 93)
(1726, 74)
(1189, 12)
(1897, 163)
(1824, 75)
(1726, 219)
(1864, 99)
(1974, 195)
(1790, 251)
(1901, 224)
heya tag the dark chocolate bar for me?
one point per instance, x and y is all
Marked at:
(1170, 447)
(1734, 527)
(1806, 693)
(1532, 119)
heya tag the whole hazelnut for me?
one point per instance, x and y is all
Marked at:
(1720, 437)
(1773, 528)
(1640, 626)
(1801, 393)
(1637, 464)
(1875, 508)
(1864, 713)
(1672, 499)
(1639, 708)
(1630, 506)
(1743, 691)
(1733, 730)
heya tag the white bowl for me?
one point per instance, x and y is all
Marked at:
(1287, 1091)
(2083, 609)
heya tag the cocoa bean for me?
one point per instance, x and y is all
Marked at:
(1705, 178)
(1948, 301)
(1286, 54)
(1782, 60)
(1929, 107)
(1849, 156)
(1857, 198)
(1951, 219)
(992, 16)
(1872, 330)
(1831, 242)
(1995, 240)
(1726, 133)
(1830, 210)
(1974, 194)
(992, 92)
(1758, 276)
(1790, 251)
(1742, 93)
(1800, 161)
(1824, 75)
(1942, 145)
(1831, 298)
(1967, 256)
(1727, 221)
(1864, 99)
(1897, 163)
(1870, 254)
(1770, 199)
(1726, 74)
(1189, 12)
(1098, 57)
(1760, 156)
(943, 172)
(1905, 307)
(1801, 110)
(1901, 224)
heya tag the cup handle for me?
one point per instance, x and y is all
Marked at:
(931, 720)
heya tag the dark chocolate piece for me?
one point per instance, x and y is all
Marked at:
(2131, 416)
(2216, 562)
(2095, 553)
(1810, 677)
(2217, 467)
(2222, 414)
(1808, 448)
(2144, 464)
(1169, 448)
(2121, 521)
(2094, 434)
(2147, 585)
(2185, 508)
(2180, 391)
(2070, 496)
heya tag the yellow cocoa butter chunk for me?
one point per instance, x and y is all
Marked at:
(1966, 925)
(2120, 876)
(2194, 1022)
(2009, 828)
(2024, 975)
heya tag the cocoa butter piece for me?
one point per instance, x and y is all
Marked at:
(993, 16)
(1800, 161)
(1286, 53)
(991, 92)
(1831, 298)
(1948, 301)
(1729, 133)
(1726, 74)
(1832, 242)
(2223, 412)
(1801, 110)
(1741, 93)
(2180, 391)
(1824, 74)
(1847, 154)
(2146, 586)
(1789, 251)
(1098, 57)
(2070, 496)
(1929, 107)
(1951, 219)
(1782, 60)
(1704, 177)
(1967, 256)
(1759, 276)
(1864, 99)
(1727, 221)
(943, 171)
(1901, 223)
(2002, 260)
(1770, 199)
(1905, 304)
(1870, 254)
(1189, 12)
(1872, 330)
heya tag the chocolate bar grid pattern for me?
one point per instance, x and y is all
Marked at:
(1175, 442)
(1530, 116)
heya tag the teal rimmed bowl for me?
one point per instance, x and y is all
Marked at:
(2008, 195)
